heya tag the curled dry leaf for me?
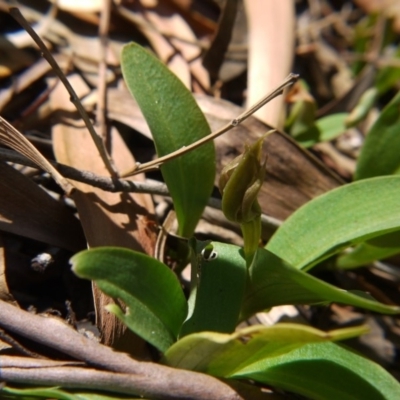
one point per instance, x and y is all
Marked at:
(113, 219)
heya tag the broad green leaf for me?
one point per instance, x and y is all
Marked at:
(375, 249)
(323, 371)
(156, 306)
(272, 282)
(175, 121)
(338, 219)
(380, 152)
(222, 354)
(291, 357)
(221, 281)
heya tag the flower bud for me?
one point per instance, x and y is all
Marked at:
(240, 182)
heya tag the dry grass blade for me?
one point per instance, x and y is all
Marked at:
(9, 136)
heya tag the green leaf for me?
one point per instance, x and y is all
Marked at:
(56, 393)
(272, 282)
(324, 129)
(218, 296)
(222, 354)
(302, 115)
(380, 152)
(388, 77)
(291, 357)
(324, 371)
(363, 107)
(175, 121)
(156, 306)
(344, 216)
(97, 396)
(375, 249)
(331, 126)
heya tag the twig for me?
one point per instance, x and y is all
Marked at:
(151, 379)
(71, 374)
(121, 185)
(290, 80)
(105, 183)
(17, 346)
(16, 14)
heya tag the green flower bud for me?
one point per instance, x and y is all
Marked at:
(239, 184)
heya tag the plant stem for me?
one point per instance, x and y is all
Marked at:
(251, 232)
(290, 80)
(16, 14)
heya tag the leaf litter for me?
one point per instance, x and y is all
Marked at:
(314, 37)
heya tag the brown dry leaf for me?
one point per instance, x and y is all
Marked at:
(113, 219)
(4, 290)
(122, 107)
(163, 48)
(79, 5)
(181, 36)
(27, 210)
(271, 43)
(13, 59)
(24, 80)
(184, 4)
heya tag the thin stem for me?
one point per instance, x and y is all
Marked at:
(16, 14)
(113, 185)
(290, 80)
